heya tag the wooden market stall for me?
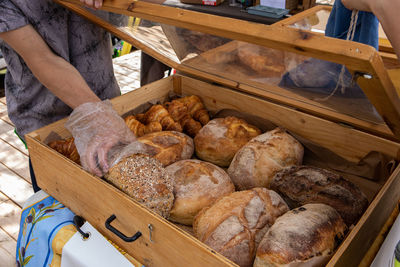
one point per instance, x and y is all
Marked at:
(347, 129)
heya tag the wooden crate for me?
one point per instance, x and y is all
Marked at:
(96, 200)
(347, 136)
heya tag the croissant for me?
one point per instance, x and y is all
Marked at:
(67, 148)
(158, 113)
(139, 129)
(176, 109)
(141, 117)
(190, 126)
(179, 112)
(195, 108)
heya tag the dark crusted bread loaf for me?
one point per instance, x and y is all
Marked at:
(197, 184)
(144, 179)
(305, 236)
(300, 185)
(256, 163)
(236, 223)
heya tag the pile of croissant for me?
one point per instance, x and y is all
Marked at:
(186, 114)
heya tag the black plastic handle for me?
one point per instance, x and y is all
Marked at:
(118, 233)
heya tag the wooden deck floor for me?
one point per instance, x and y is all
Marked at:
(15, 185)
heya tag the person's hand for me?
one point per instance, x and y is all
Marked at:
(95, 4)
(100, 135)
(362, 5)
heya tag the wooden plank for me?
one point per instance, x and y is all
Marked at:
(349, 143)
(6, 258)
(13, 140)
(15, 160)
(10, 215)
(3, 100)
(14, 187)
(7, 243)
(170, 247)
(4, 115)
(5, 127)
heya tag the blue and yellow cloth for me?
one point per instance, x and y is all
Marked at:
(40, 222)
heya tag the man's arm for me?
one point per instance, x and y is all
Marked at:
(387, 13)
(58, 75)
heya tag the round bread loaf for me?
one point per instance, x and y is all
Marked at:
(170, 146)
(221, 138)
(236, 223)
(144, 179)
(305, 236)
(300, 185)
(197, 184)
(255, 164)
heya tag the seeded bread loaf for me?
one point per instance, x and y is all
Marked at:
(144, 179)
(235, 224)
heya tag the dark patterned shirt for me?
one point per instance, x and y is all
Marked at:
(86, 46)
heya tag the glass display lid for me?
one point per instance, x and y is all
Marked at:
(290, 62)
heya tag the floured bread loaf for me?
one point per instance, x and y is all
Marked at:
(305, 236)
(197, 184)
(144, 179)
(236, 223)
(300, 185)
(221, 138)
(170, 146)
(256, 163)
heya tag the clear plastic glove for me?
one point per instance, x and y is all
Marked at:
(102, 137)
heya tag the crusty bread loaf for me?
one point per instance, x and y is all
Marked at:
(221, 138)
(144, 179)
(236, 223)
(300, 185)
(170, 146)
(305, 236)
(197, 184)
(255, 164)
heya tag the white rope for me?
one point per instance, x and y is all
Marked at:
(350, 36)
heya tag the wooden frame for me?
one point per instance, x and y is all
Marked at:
(359, 58)
(386, 50)
(171, 246)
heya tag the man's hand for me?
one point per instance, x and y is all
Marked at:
(102, 137)
(95, 4)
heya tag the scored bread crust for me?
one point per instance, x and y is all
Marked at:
(170, 146)
(300, 185)
(235, 224)
(256, 163)
(298, 236)
(144, 179)
(197, 184)
(219, 140)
